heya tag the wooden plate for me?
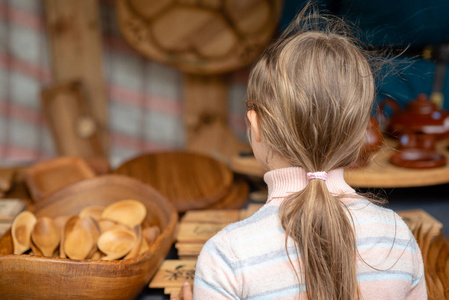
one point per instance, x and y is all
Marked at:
(49, 176)
(201, 37)
(188, 180)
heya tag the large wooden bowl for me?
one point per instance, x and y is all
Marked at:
(35, 277)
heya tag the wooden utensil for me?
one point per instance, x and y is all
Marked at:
(46, 235)
(92, 211)
(78, 243)
(188, 180)
(116, 243)
(150, 234)
(137, 243)
(236, 198)
(128, 212)
(21, 231)
(68, 227)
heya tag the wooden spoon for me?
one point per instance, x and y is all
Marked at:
(151, 234)
(68, 227)
(35, 249)
(21, 231)
(46, 235)
(128, 212)
(137, 243)
(92, 226)
(78, 243)
(93, 211)
(116, 243)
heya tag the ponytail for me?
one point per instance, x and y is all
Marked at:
(324, 238)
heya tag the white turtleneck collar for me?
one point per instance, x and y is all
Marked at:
(282, 182)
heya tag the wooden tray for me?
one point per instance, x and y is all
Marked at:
(49, 176)
(188, 180)
(378, 173)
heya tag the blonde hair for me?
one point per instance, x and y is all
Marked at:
(313, 90)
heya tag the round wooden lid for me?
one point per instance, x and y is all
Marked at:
(201, 37)
(188, 180)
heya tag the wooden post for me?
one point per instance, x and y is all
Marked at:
(75, 42)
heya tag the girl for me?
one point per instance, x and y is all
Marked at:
(310, 97)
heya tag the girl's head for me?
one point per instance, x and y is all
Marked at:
(309, 98)
(312, 92)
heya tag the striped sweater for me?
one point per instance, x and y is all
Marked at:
(248, 259)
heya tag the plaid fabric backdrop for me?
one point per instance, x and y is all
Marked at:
(145, 98)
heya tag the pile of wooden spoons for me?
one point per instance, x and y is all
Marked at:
(108, 233)
(435, 253)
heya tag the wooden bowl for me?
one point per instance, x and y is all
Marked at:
(188, 180)
(33, 277)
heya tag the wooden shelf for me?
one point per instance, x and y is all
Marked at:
(379, 173)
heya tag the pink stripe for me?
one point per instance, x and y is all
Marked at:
(13, 64)
(123, 95)
(21, 17)
(134, 143)
(14, 152)
(16, 111)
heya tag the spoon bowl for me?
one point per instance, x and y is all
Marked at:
(46, 235)
(21, 231)
(128, 212)
(116, 243)
(92, 211)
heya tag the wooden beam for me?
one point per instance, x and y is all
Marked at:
(75, 42)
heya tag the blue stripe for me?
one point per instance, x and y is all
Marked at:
(215, 251)
(281, 292)
(200, 282)
(384, 275)
(266, 260)
(376, 241)
(417, 280)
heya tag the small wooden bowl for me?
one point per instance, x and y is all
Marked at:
(33, 277)
(49, 176)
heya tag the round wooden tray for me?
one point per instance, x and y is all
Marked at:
(188, 180)
(379, 173)
(201, 37)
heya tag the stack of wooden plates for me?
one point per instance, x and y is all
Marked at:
(188, 180)
(198, 226)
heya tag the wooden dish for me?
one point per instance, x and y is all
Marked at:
(188, 180)
(33, 277)
(417, 159)
(48, 176)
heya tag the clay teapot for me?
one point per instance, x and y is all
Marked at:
(420, 116)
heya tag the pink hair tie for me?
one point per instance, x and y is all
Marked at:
(317, 175)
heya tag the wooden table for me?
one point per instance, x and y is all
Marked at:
(379, 173)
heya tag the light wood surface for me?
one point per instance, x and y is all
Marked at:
(188, 180)
(76, 52)
(378, 173)
(32, 277)
(201, 37)
(71, 121)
